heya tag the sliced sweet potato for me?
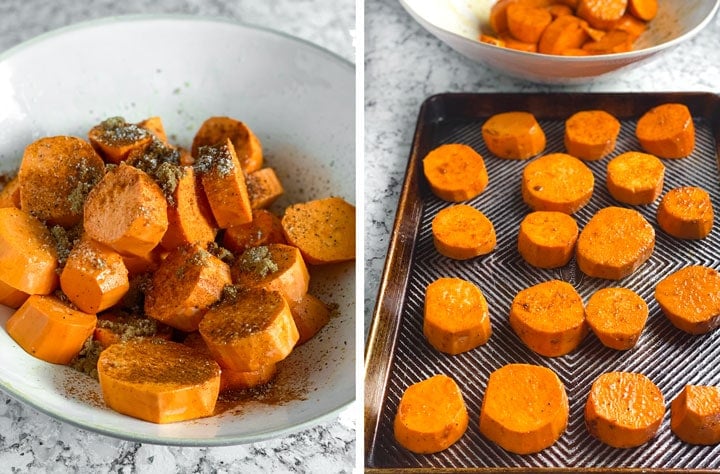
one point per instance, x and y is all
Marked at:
(601, 14)
(456, 318)
(114, 138)
(94, 277)
(264, 188)
(56, 174)
(690, 298)
(323, 230)
(49, 329)
(694, 415)
(158, 381)
(525, 408)
(635, 178)
(591, 134)
(216, 130)
(614, 243)
(10, 194)
(527, 23)
(310, 315)
(126, 211)
(557, 182)
(564, 33)
(224, 183)
(549, 318)
(547, 239)
(617, 316)
(250, 330)
(190, 220)
(624, 409)
(455, 172)
(11, 297)
(667, 131)
(155, 126)
(28, 257)
(431, 415)
(115, 326)
(275, 267)
(462, 232)
(686, 213)
(188, 281)
(513, 135)
(265, 228)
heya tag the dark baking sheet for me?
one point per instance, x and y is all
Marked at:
(397, 354)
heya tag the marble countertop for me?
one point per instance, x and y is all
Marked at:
(33, 442)
(404, 64)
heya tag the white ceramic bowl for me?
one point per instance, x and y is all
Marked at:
(459, 22)
(298, 98)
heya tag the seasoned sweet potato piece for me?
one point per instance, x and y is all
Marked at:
(695, 413)
(264, 229)
(264, 188)
(275, 267)
(114, 138)
(216, 130)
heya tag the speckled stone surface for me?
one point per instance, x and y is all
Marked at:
(33, 442)
(404, 65)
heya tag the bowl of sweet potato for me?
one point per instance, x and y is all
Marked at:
(177, 230)
(562, 41)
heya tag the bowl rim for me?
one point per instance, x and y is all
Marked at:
(170, 17)
(626, 56)
(118, 432)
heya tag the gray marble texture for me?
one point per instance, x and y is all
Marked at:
(33, 442)
(404, 64)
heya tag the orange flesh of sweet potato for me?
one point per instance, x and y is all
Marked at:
(114, 139)
(564, 33)
(617, 316)
(527, 23)
(644, 10)
(624, 409)
(690, 298)
(549, 318)
(190, 219)
(557, 182)
(547, 239)
(601, 13)
(455, 172)
(50, 330)
(188, 281)
(94, 277)
(431, 415)
(264, 229)
(126, 211)
(614, 243)
(276, 267)
(462, 232)
(613, 41)
(10, 194)
(456, 317)
(635, 178)
(234, 379)
(249, 331)
(158, 381)
(56, 174)
(28, 257)
(591, 134)
(246, 144)
(114, 326)
(224, 183)
(323, 230)
(264, 188)
(525, 408)
(686, 213)
(155, 126)
(310, 315)
(667, 131)
(695, 415)
(513, 135)
(11, 297)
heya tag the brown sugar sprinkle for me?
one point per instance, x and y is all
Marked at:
(85, 179)
(86, 360)
(65, 240)
(214, 159)
(116, 131)
(244, 316)
(257, 260)
(134, 299)
(162, 164)
(221, 252)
